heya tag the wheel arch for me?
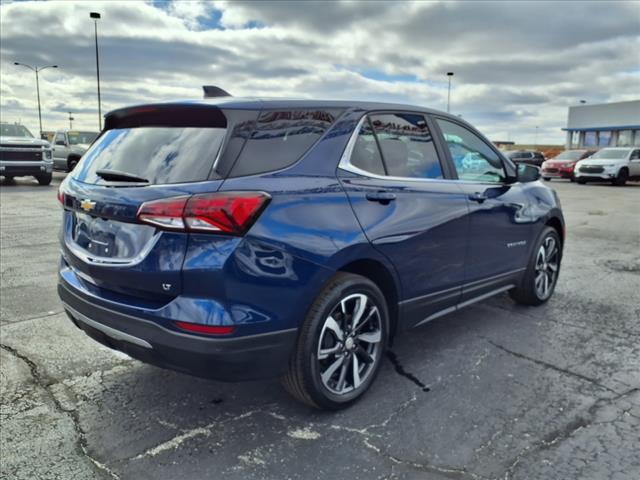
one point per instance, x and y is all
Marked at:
(558, 226)
(379, 274)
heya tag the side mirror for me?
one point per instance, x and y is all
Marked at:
(527, 173)
(61, 142)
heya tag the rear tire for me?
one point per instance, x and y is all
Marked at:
(546, 179)
(44, 179)
(540, 277)
(71, 163)
(581, 181)
(329, 351)
(621, 179)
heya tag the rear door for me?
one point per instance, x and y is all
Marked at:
(500, 227)
(173, 151)
(409, 211)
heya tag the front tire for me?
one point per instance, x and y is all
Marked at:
(621, 178)
(581, 181)
(546, 179)
(540, 278)
(44, 179)
(340, 345)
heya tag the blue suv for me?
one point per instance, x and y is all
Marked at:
(241, 239)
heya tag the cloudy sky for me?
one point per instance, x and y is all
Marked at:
(517, 65)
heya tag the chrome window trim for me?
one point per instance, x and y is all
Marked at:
(345, 160)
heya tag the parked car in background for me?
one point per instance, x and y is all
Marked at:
(614, 164)
(241, 239)
(562, 165)
(69, 146)
(531, 157)
(23, 155)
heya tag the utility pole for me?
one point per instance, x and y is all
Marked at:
(449, 74)
(96, 17)
(70, 121)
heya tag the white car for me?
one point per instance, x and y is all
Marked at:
(616, 165)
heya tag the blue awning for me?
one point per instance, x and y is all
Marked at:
(596, 129)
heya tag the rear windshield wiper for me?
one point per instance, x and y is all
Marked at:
(118, 176)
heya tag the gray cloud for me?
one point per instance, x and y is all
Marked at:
(517, 65)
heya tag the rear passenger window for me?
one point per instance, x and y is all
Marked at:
(280, 138)
(406, 145)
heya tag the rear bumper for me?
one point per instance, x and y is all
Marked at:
(228, 359)
(22, 168)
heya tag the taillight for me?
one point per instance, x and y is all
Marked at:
(61, 197)
(206, 329)
(230, 213)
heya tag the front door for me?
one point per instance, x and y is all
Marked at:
(60, 150)
(396, 185)
(500, 227)
(634, 163)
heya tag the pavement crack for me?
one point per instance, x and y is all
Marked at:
(81, 442)
(559, 435)
(550, 366)
(400, 370)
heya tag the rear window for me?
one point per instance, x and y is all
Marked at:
(280, 138)
(161, 155)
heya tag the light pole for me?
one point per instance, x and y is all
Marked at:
(70, 120)
(37, 69)
(449, 74)
(96, 17)
(535, 139)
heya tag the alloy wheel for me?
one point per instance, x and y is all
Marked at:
(350, 344)
(547, 264)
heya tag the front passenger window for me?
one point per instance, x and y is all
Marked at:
(474, 160)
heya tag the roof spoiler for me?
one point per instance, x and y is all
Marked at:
(211, 91)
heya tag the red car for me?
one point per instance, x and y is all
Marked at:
(562, 166)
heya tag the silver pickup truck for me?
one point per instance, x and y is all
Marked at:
(69, 146)
(22, 155)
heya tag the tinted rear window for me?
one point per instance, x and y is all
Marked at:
(162, 155)
(280, 138)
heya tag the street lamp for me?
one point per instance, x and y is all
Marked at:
(37, 69)
(583, 101)
(449, 74)
(96, 17)
(71, 119)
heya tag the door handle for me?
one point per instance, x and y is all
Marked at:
(383, 197)
(478, 197)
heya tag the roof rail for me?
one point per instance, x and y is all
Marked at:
(211, 91)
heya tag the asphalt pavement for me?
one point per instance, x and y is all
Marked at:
(496, 391)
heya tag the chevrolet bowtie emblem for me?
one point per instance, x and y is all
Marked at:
(87, 205)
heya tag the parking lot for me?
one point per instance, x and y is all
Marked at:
(496, 391)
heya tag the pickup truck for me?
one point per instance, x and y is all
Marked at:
(23, 155)
(69, 146)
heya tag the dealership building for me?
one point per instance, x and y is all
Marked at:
(604, 125)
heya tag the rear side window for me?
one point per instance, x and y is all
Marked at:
(280, 138)
(366, 155)
(406, 145)
(161, 155)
